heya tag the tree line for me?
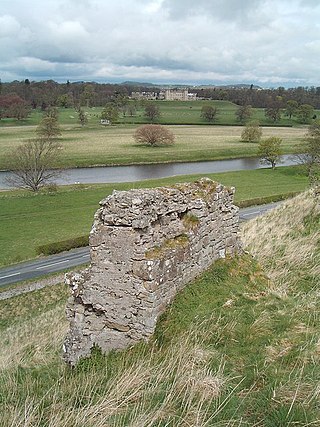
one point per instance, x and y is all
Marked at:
(17, 98)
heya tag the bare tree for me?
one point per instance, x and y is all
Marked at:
(154, 135)
(32, 162)
(152, 112)
(209, 113)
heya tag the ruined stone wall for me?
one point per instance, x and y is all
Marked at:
(145, 246)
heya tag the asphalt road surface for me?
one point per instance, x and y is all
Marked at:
(65, 260)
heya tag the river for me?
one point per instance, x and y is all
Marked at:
(134, 173)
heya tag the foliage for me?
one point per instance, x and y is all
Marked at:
(292, 108)
(209, 113)
(82, 117)
(49, 127)
(110, 113)
(244, 113)
(152, 112)
(252, 132)
(63, 245)
(13, 106)
(269, 151)
(32, 162)
(273, 113)
(305, 113)
(309, 153)
(154, 135)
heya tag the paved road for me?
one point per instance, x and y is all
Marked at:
(59, 262)
(39, 267)
(253, 211)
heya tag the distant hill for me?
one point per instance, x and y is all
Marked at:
(142, 84)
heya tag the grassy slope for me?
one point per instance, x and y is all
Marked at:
(234, 349)
(28, 220)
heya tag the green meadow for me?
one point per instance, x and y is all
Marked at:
(29, 220)
(114, 145)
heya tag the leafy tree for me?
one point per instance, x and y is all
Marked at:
(269, 151)
(31, 164)
(209, 113)
(305, 113)
(82, 117)
(273, 113)
(132, 109)
(65, 100)
(244, 113)
(292, 108)
(153, 135)
(252, 132)
(152, 112)
(110, 112)
(49, 127)
(309, 153)
(88, 95)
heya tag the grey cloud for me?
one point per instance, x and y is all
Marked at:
(224, 10)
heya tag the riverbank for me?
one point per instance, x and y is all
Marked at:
(114, 145)
(28, 220)
(133, 173)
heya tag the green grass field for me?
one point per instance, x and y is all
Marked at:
(28, 220)
(98, 145)
(172, 112)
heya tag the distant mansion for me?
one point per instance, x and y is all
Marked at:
(167, 94)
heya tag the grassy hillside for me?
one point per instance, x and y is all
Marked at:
(238, 347)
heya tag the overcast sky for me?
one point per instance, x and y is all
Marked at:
(269, 42)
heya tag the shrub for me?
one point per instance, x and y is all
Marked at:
(153, 135)
(251, 133)
(63, 245)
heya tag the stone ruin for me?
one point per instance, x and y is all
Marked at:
(145, 246)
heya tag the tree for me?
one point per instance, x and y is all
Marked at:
(13, 106)
(309, 153)
(209, 113)
(153, 135)
(244, 113)
(252, 132)
(49, 127)
(110, 113)
(31, 164)
(269, 151)
(273, 113)
(82, 117)
(152, 112)
(305, 113)
(292, 108)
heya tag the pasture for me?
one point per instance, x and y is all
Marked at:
(114, 145)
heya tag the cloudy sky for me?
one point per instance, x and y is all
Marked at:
(268, 42)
